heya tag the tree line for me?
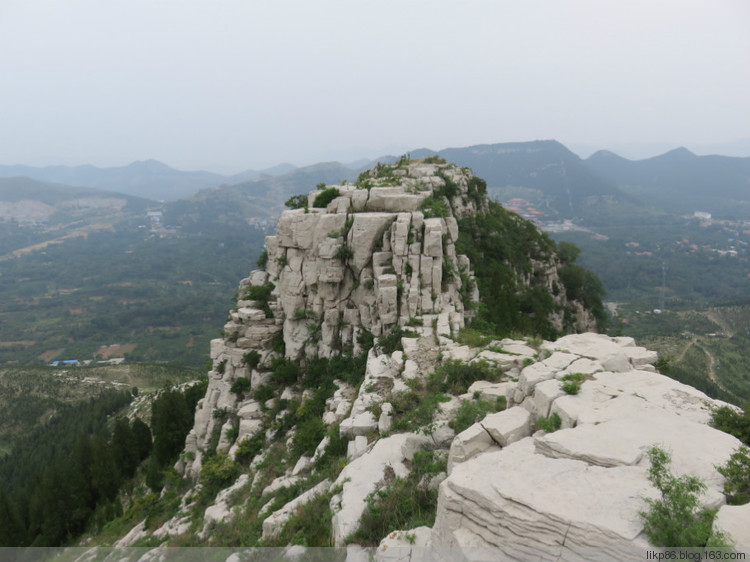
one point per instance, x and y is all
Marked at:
(71, 475)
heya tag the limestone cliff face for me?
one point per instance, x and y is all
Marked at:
(379, 255)
(367, 262)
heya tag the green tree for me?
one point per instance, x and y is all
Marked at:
(567, 251)
(142, 437)
(170, 422)
(124, 447)
(676, 519)
(105, 476)
(737, 475)
(12, 532)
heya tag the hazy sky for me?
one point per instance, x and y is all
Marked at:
(236, 84)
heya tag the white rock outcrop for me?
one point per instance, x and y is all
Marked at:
(580, 489)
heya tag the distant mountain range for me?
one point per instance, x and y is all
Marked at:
(545, 173)
(150, 179)
(681, 181)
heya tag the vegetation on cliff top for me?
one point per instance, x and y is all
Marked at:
(505, 249)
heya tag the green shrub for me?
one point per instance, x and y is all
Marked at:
(336, 449)
(383, 170)
(309, 526)
(323, 198)
(550, 424)
(449, 271)
(262, 259)
(218, 471)
(456, 376)
(303, 314)
(676, 518)
(344, 253)
(240, 386)
(391, 341)
(307, 436)
(477, 190)
(404, 160)
(737, 475)
(473, 338)
(320, 372)
(284, 372)
(277, 343)
(413, 411)
(261, 294)
(251, 359)
(502, 248)
(297, 202)
(433, 207)
(584, 286)
(470, 412)
(232, 433)
(263, 393)
(154, 474)
(729, 420)
(434, 159)
(449, 189)
(365, 339)
(405, 503)
(248, 448)
(567, 251)
(571, 383)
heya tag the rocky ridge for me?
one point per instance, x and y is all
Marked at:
(374, 261)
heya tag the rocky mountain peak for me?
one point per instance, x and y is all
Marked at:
(353, 262)
(362, 258)
(344, 376)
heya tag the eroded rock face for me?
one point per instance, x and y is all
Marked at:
(368, 262)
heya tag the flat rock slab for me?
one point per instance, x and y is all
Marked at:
(593, 346)
(734, 520)
(517, 499)
(583, 365)
(598, 445)
(467, 444)
(503, 360)
(491, 390)
(508, 426)
(545, 393)
(559, 360)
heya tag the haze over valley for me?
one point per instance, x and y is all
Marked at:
(424, 280)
